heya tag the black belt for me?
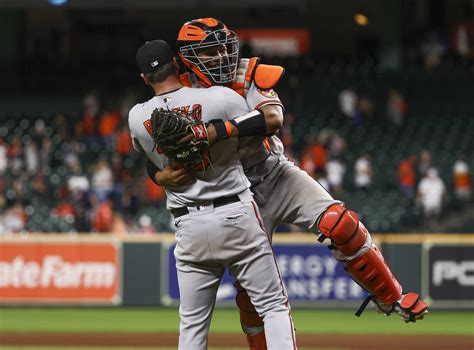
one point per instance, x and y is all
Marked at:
(219, 202)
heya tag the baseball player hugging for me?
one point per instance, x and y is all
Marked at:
(218, 223)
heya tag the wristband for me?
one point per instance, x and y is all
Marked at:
(250, 124)
(222, 130)
(151, 169)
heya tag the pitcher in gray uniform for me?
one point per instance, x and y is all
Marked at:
(218, 223)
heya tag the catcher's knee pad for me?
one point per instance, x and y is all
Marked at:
(366, 264)
(249, 317)
(257, 341)
(343, 227)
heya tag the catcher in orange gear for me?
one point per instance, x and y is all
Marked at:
(284, 193)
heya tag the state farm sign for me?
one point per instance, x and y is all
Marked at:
(74, 273)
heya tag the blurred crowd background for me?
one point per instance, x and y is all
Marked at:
(378, 99)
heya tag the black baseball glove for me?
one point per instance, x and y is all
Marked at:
(169, 127)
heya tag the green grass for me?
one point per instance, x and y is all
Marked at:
(225, 320)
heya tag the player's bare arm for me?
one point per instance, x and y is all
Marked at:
(171, 176)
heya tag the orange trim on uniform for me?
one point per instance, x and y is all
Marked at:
(266, 76)
(269, 102)
(266, 143)
(228, 128)
(287, 303)
(250, 68)
(184, 79)
(239, 88)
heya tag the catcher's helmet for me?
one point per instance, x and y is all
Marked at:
(208, 48)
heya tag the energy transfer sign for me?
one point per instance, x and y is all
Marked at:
(59, 273)
(310, 274)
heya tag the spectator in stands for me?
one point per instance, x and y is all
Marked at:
(104, 215)
(123, 144)
(65, 209)
(431, 193)
(3, 156)
(40, 194)
(145, 225)
(463, 44)
(15, 155)
(102, 179)
(363, 172)
(21, 186)
(407, 176)
(335, 169)
(31, 157)
(462, 180)
(314, 156)
(46, 152)
(396, 107)
(154, 195)
(348, 105)
(108, 124)
(78, 182)
(432, 50)
(424, 162)
(91, 104)
(366, 108)
(14, 219)
(336, 145)
(286, 135)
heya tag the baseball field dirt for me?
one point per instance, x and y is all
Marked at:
(233, 340)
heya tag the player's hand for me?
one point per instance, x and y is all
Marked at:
(172, 176)
(211, 135)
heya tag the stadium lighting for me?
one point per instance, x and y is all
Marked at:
(57, 2)
(361, 19)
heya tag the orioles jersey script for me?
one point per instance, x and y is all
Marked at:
(224, 176)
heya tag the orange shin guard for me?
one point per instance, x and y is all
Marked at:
(368, 268)
(257, 341)
(373, 274)
(248, 315)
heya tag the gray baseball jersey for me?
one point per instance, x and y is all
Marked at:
(284, 192)
(212, 237)
(224, 176)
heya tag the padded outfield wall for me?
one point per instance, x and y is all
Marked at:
(135, 270)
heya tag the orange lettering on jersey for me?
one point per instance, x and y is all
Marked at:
(196, 110)
(147, 125)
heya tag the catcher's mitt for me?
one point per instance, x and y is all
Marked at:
(169, 127)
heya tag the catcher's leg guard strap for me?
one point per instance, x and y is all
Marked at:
(248, 315)
(257, 341)
(344, 229)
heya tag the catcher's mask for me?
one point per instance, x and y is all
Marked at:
(209, 49)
